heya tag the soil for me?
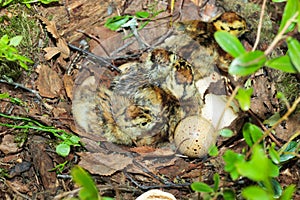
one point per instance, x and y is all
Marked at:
(28, 160)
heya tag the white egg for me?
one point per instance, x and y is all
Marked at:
(194, 135)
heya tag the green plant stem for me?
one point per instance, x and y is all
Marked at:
(280, 35)
(286, 144)
(269, 131)
(231, 98)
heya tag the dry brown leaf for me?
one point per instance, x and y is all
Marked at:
(8, 144)
(50, 26)
(48, 83)
(68, 83)
(50, 52)
(63, 48)
(103, 164)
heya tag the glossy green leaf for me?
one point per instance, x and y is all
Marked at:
(89, 190)
(290, 9)
(142, 14)
(277, 189)
(282, 63)
(244, 98)
(279, 1)
(216, 182)
(292, 147)
(229, 43)
(63, 149)
(213, 150)
(226, 132)
(116, 22)
(288, 192)
(251, 133)
(294, 52)
(247, 63)
(15, 41)
(255, 193)
(259, 168)
(201, 187)
(231, 159)
(274, 154)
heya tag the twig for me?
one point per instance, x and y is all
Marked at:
(269, 131)
(227, 105)
(7, 183)
(96, 39)
(264, 128)
(279, 36)
(259, 25)
(147, 187)
(101, 59)
(18, 85)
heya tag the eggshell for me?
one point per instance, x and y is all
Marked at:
(194, 135)
(156, 194)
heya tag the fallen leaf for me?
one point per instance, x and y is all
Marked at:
(68, 83)
(50, 52)
(103, 164)
(8, 144)
(50, 26)
(63, 48)
(48, 83)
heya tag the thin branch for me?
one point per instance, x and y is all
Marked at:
(259, 25)
(18, 85)
(101, 59)
(269, 131)
(279, 36)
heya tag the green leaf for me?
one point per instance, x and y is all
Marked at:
(282, 63)
(216, 182)
(229, 43)
(274, 154)
(290, 9)
(247, 63)
(63, 149)
(15, 41)
(272, 120)
(4, 39)
(279, 1)
(259, 168)
(294, 52)
(201, 187)
(251, 133)
(116, 22)
(142, 14)
(231, 160)
(213, 150)
(255, 193)
(4, 95)
(89, 190)
(288, 192)
(244, 98)
(225, 132)
(229, 195)
(292, 147)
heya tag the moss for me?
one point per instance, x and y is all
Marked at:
(19, 21)
(289, 85)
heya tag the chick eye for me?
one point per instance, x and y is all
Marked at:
(144, 123)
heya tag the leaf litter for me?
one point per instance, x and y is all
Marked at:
(145, 165)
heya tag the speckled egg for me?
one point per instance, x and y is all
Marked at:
(194, 135)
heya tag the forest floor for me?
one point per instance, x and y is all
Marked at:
(36, 106)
